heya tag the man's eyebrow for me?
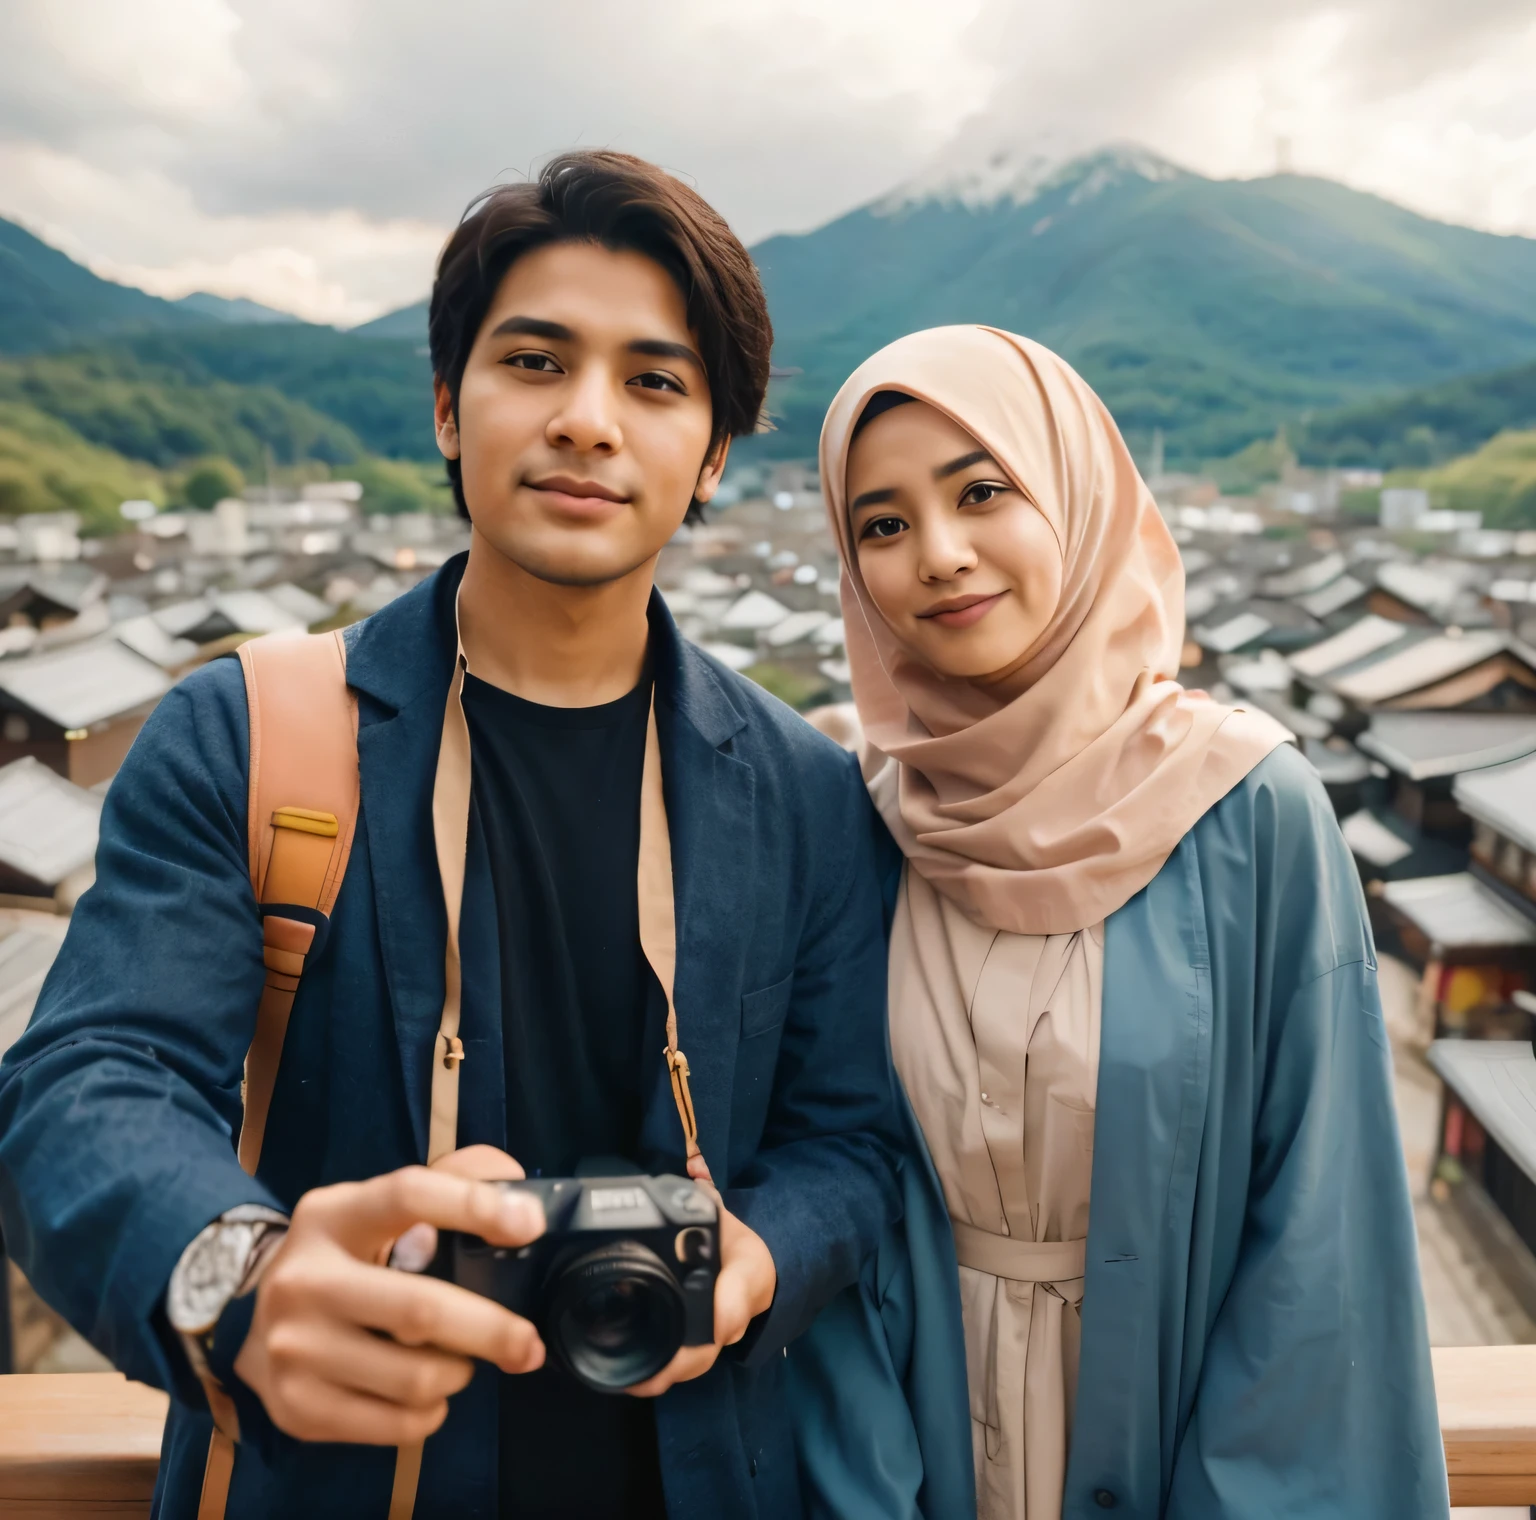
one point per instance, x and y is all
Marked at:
(535, 327)
(964, 462)
(872, 498)
(660, 348)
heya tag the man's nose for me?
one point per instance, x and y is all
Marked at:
(588, 418)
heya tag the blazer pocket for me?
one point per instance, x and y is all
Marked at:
(765, 1010)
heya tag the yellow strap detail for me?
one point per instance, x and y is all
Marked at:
(306, 822)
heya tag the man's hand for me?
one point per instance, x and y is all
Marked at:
(341, 1348)
(743, 1290)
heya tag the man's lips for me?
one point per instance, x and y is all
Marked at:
(961, 611)
(582, 498)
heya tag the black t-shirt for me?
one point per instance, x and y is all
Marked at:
(557, 795)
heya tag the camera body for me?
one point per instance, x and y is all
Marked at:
(623, 1276)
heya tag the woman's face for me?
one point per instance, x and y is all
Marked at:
(959, 562)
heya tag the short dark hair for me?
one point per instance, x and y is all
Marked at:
(622, 203)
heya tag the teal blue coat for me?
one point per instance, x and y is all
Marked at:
(1253, 1339)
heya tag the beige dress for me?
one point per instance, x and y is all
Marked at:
(996, 1037)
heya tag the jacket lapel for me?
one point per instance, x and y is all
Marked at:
(710, 817)
(400, 661)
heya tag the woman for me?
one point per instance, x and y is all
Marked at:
(1133, 992)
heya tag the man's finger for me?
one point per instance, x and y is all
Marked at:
(417, 1377)
(483, 1162)
(417, 1245)
(313, 1409)
(689, 1363)
(416, 1311)
(365, 1216)
(733, 1306)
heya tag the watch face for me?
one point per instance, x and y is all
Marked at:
(208, 1276)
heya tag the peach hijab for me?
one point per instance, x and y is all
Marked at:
(1043, 814)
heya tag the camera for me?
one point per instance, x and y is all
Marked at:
(623, 1275)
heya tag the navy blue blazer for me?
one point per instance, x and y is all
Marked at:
(119, 1104)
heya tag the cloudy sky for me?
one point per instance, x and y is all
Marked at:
(312, 153)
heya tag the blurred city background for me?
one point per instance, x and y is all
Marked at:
(1294, 249)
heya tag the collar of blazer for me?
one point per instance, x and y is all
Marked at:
(405, 653)
(403, 661)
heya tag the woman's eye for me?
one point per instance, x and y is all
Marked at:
(980, 493)
(655, 380)
(543, 364)
(883, 527)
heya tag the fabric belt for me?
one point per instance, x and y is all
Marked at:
(1019, 1260)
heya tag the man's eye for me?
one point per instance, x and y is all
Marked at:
(543, 364)
(655, 380)
(883, 527)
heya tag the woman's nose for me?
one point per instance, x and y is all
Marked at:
(944, 551)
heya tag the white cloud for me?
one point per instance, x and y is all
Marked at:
(326, 266)
(313, 153)
(1426, 104)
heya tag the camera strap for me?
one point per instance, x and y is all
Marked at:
(654, 888)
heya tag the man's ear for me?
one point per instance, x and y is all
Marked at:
(443, 420)
(714, 468)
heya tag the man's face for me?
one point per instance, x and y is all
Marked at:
(584, 415)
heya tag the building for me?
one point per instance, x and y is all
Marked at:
(48, 829)
(1501, 802)
(78, 709)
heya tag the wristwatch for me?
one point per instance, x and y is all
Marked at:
(222, 1262)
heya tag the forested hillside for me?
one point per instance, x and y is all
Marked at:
(107, 393)
(161, 414)
(1214, 310)
(1423, 427)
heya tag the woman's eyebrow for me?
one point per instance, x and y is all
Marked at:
(964, 462)
(872, 498)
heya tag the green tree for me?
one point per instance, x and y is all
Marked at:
(209, 481)
(45, 466)
(399, 485)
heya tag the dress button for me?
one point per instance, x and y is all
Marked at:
(1105, 1499)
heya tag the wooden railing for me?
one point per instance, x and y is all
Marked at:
(1488, 1421)
(73, 1445)
(77, 1444)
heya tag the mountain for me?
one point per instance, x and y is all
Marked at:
(380, 390)
(162, 416)
(1211, 309)
(1423, 427)
(406, 322)
(47, 300)
(158, 380)
(222, 309)
(1498, 481)
(45, 466)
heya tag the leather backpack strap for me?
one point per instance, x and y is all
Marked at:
(301, 817)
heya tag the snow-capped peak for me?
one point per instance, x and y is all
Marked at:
(975, 171)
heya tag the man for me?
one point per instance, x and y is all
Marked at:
(597, 338)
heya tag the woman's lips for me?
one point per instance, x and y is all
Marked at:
(964, 612)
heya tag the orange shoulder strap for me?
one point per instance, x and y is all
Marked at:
(301, 815)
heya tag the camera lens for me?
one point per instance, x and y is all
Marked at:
(615, 1316)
